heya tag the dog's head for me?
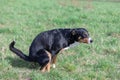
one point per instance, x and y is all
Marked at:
(81, 35)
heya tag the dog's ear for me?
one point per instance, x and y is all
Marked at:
(73, 32)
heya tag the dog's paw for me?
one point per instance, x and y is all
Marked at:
(53, 65)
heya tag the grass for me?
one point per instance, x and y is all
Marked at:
(22, 20)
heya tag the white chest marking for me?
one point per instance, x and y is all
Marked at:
(71, 45)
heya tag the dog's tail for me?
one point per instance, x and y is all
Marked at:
(18, 52)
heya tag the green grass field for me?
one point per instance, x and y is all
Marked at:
(22, 20)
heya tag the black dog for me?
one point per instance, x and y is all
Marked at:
(48, 44)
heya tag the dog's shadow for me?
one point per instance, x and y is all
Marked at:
(19, 63)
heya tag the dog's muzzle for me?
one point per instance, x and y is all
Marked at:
(86, 40)
(90, 40)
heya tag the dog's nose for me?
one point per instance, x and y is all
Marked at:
(91, 41)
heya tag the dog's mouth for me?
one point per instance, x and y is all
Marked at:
(86, 40)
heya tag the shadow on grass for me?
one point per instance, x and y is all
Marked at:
(19, 63)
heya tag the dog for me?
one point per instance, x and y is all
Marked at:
(46, 45)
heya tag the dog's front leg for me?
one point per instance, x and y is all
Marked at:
(54, 61)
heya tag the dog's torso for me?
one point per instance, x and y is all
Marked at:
(52, 41)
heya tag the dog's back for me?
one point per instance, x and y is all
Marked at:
(49, 40)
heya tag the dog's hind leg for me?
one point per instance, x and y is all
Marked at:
(46, 68)
(46, 65)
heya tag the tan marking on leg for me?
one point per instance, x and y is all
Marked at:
(43, 70)
(54, 59)
(48, 65)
